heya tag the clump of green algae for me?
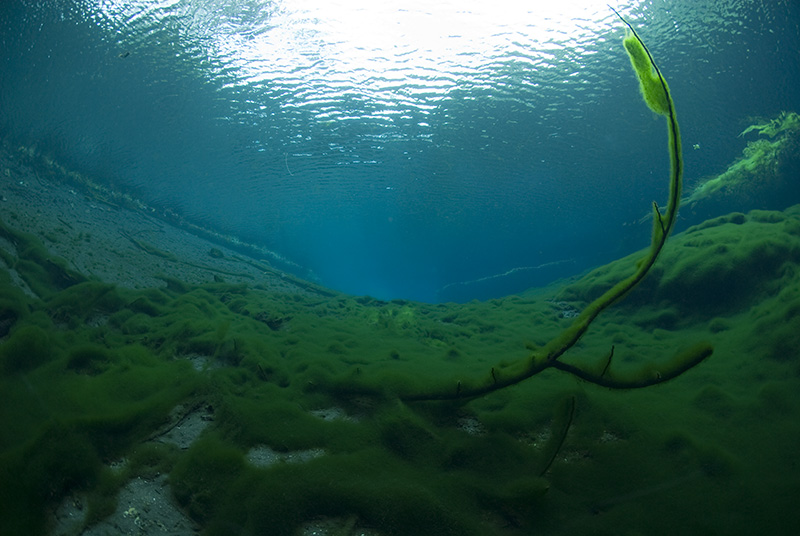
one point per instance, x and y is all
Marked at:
(768, 165)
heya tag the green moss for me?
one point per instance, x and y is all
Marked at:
(777, 399)
(786, 121)
(203, 478)
(784, 339)
(43, 273)
(90, 359)
(13, 304)
(713, 268)
(28, 347)
(406, 434)
(68, 402)
(33, 477)
(219, 489)
(102, 500)
(718, 325)
(144, 305)
(285, 426)
(713, 461)
(715, 402)
(764, 165)
(77, 303)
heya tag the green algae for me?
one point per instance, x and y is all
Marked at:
(112, 384)
(785, 122)
(107, 385)
(27, 348)
(718, 265)
(42, 272)
(377, 484)
(503, 375)
(68, 401)
(767, 167)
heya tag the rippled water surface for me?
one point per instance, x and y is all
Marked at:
(427, 150)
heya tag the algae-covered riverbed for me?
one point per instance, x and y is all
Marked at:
(154, 382)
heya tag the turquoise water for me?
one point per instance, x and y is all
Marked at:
(419, 154)
(197, 201)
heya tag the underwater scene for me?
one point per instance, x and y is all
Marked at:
(347, 267)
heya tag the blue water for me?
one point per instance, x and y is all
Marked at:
(445, 151)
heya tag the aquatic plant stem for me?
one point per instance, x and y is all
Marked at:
(651, 82)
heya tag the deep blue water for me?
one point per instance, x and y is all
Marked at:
(440, 152)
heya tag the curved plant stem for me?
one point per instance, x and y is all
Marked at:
(657, 96)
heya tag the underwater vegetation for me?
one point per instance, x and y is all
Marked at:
(655, 92)
(90, 372)
(413, 418)
(767, 169)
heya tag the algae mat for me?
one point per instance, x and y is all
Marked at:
(218, 388)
